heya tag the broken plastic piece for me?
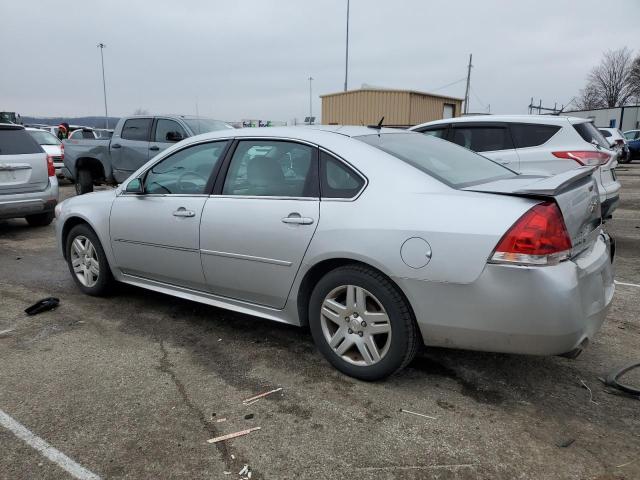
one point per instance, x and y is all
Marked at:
(233, 435)
(244, 470)
(418, 414)
(42, 306)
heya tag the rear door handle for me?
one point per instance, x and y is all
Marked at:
(155, 148)
(115, 145)
(296, 219)
(183, 212)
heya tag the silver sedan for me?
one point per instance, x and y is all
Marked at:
(380, 240)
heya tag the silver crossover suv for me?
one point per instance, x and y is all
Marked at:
(28, 184)
(379, 240)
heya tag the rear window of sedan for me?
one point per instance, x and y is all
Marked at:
(447, 162)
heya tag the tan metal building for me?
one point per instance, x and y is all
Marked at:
(401, 108)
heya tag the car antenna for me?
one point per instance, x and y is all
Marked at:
(379, 125)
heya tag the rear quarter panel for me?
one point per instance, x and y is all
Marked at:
(74, 150)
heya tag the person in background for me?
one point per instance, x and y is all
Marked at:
(63, 131)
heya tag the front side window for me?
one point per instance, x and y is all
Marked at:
(337, 180)
(443, 161)
(169, 131)
(185, 172)
(482, 139)
(273, 169)
(136, 129)
(532, 135)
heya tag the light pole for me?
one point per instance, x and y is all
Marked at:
(346, 56)
(104, 86)
(310, 102)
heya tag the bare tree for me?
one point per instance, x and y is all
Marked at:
(610, 80)
(589, 98)
(634, 79)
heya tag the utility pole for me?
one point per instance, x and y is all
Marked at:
(104, 86)
(466, 93)
(310, 102)
(346, 56)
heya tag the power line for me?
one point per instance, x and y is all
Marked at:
(447, 85)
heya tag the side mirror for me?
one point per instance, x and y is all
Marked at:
(173, 136)
(134, 186)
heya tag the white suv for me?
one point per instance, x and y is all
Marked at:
(536, 144)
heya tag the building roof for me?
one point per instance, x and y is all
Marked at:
(391, 90)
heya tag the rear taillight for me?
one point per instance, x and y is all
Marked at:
(584, 157)
(539, 237)
(51, 170)
(62, 151)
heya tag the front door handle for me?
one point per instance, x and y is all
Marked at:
(115, 145)
(155, 148)
(297, 219)
(183, 212)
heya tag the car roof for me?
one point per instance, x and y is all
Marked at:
(11, 126)
(544, 119)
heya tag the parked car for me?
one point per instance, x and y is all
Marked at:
(538, 144)
(28, 183)
(617, 142)
(378, 239)
(51, 145)
(90, 161)
(633, 141)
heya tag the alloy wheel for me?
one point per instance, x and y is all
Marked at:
(84, 260)
(355, 325)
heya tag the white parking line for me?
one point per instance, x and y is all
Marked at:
(626, 284)
(57, 457)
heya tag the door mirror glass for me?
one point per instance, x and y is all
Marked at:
(173, 136)
(134, 186)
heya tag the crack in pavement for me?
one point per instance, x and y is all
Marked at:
(225, 451)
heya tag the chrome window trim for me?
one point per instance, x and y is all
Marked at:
(158, 245)
(266, 197)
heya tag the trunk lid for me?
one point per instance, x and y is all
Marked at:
(574, 191)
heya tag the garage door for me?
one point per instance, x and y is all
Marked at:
(447, 110)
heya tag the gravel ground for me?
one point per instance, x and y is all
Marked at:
(132, 386)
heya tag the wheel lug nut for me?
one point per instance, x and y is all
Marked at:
(360, 333)
(363, 323)
(346, 319)
(350, 331)
(355, 314)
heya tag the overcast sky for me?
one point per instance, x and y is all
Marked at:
(252, 58)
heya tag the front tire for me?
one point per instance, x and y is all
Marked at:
(84, 182)
(40, 219)
(362, 324)
(87, 262)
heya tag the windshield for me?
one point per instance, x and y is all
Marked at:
(203, 125)
(445, 161)
(44, 138)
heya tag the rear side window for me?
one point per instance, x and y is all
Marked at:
(605, 133)
(590, 134)
(482, 139)
(16, 141)
(337, 180)
(136, 129)
(531, 135)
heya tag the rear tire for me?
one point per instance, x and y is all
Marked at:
(87, 262)
(40, 219)
(84, 182)
(384, 309)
